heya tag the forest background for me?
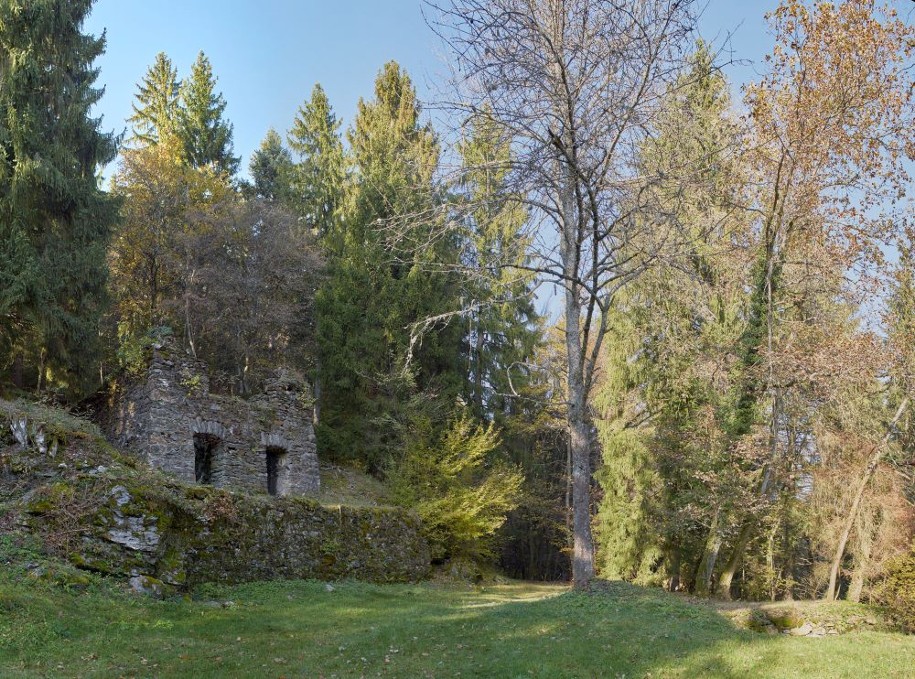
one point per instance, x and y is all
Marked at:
(714, 399)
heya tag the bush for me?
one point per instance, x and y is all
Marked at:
(459, 492)
(897, 590)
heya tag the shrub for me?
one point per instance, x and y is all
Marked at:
(459, 492)
(897, 590)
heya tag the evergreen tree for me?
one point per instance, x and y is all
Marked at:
(504, 330)
(317, 181)
(155, 110)
(271, 169)
(668, 388)
(205, 135)
(384, 275)
(54, 220)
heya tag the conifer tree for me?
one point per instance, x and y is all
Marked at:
(271, 168)
(380, 282)
(666, 393)
(317, 181)
(155, 110)
(205, 135)
(503, 326)
(54, 220)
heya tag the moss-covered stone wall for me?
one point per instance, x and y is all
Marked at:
(190, 535)
(112, 514)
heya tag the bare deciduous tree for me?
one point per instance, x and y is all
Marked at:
(577, 85)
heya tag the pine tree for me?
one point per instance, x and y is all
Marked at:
(205, 135)
(271, 169)
(54, 220)
(319, 175)
(155, 110)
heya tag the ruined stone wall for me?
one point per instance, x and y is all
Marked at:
(137, 524)
(172, 421)
(106, 512)
(185, 536)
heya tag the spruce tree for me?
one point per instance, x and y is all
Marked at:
(271, 169)
(504, 327)
(385, 274)
(319, 175)
(54, 219)
(666, 394)
(205, 135)
(155, 110)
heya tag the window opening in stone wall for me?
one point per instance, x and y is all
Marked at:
(275, 467)
(205, 446)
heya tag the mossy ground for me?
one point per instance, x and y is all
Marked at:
(308, 629)
(346, 486)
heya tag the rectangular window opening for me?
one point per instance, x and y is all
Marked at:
(276, 458)
(205, 446)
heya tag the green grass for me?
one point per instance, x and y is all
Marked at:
(301, 629)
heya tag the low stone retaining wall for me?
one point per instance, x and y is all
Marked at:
(184, 536)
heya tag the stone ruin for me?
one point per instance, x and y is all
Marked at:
(172, 421)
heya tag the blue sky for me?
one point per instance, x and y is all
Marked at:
(269, 54)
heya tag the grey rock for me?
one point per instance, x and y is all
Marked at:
(801, 631)
(149, 586)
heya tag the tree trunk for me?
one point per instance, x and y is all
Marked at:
(730, 568)
(876, 456)
(770, 563)
(580, 447)
(673, 582)
(41, 372)
(862, 561)
(18, 372)
(709, 558)
(187, 324)
(579, 433)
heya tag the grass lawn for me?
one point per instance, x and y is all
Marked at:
(306, 629)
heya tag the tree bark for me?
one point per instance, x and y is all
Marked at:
(706, 568)
(580, 449)
(873, 463)
(730, 568)
(673, 582)
(862, 561)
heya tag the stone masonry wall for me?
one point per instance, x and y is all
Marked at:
(172, 421)
(184, 536)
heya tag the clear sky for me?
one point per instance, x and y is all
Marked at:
(268, 54)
